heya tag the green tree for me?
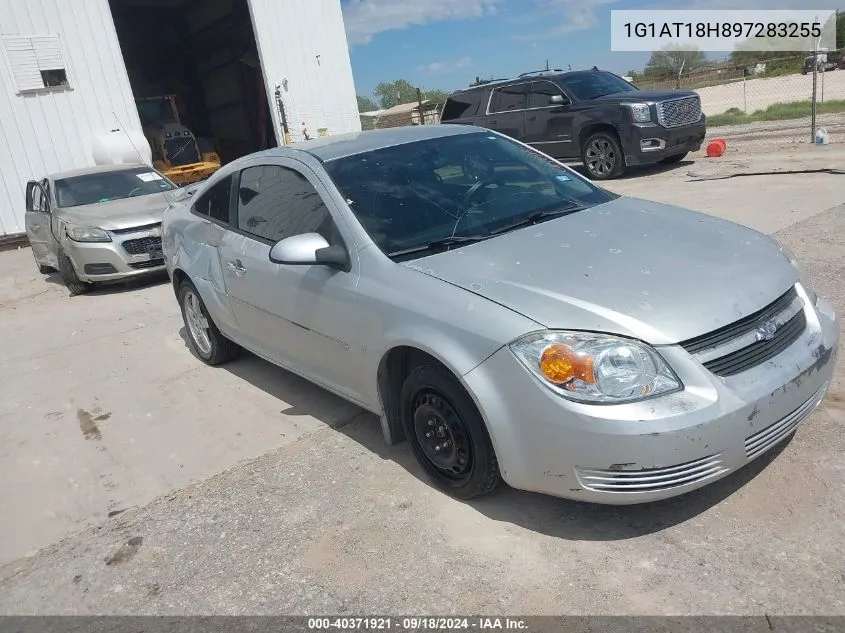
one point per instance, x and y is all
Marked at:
(671, 58)
(435, 95)
(840, 29)
(391, 93)
(365, 104)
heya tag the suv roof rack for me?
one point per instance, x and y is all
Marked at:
(541, 72)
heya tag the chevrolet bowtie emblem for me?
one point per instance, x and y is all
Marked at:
(767, 331)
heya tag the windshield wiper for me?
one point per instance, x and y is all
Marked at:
(534, 218)
(438, 244)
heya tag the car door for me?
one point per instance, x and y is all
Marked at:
(301, 317)
(548, 124)
(506, 110)
(40, 223)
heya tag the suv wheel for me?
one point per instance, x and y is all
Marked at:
(602, 156)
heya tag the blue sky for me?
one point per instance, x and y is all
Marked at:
(447, 43)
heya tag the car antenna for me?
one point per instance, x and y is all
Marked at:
(138, 152)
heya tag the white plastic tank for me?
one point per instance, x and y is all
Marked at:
(120, 147)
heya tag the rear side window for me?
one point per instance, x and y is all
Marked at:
(215, 202)
(509, 98)
(462, 105)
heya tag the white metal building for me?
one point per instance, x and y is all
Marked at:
(247, 73)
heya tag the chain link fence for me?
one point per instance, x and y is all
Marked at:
(784, 92)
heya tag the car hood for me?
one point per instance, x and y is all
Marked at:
(630, 267)
(119, 214)
(646, 95)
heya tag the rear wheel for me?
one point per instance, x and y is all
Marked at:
(204, 339)
(672, 160)
(447, 434)
(74, 284)
(602, 156)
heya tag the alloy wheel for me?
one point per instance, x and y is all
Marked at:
(197, 323)
(600, 157)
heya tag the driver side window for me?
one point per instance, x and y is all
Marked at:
(276, 202)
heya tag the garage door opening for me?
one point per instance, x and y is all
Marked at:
(193, 66)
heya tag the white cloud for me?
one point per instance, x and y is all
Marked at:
(444, 68)
(560, 17)
(366, 18)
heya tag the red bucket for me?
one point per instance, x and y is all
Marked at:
(716, 148)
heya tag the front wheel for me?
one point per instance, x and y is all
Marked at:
(602, 156)
(672, 160)
(204, 339)
(447, 434)
(74, 284)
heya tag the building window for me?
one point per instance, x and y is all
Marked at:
(36, 62)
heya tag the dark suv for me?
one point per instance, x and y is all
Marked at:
(593, 115)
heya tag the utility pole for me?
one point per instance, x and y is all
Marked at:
(547, 64)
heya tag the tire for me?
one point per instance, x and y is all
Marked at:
(213, 348)
(674, 160)
(603, 150)
(45, 270)
(74, 284)
(433, 402)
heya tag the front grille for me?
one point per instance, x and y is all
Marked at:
(153, 263)
(142, 245)
(761, 351)
(757, 352)
(651, 479)
(760, 442)
(679, 112)
(136, 229)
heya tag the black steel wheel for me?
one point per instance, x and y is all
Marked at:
(602, 156)
(447, 434)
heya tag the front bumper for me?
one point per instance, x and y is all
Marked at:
(657, 448)
(130, 254)
(647, 143)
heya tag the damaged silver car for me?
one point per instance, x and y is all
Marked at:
(98, 224)
(506, 316)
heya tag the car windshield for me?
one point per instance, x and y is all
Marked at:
(105, 186)
(592, 84)
(455, 189)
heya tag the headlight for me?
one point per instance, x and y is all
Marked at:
(595, 368)
(641, 112)
(87, 234)
(802, 274)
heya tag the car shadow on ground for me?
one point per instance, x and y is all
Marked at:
(560, 518)
(632, 173)
(153, 279)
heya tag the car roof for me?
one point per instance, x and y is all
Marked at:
(329, 148)
(527, 77)
(96, 169)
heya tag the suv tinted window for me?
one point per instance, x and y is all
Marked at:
(541, 94)
(462, 105)
(275, 202)
(215, 202)
(508, 98)
(591, 84)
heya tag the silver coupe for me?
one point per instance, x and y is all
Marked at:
(509, 318)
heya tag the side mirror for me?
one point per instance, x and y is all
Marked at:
(557, 100)
(309, 249)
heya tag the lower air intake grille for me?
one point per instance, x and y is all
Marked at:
(649, 479)
(760, 442)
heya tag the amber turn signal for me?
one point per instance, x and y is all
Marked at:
(561, 364)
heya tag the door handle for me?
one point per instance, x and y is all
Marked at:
(236, 266)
